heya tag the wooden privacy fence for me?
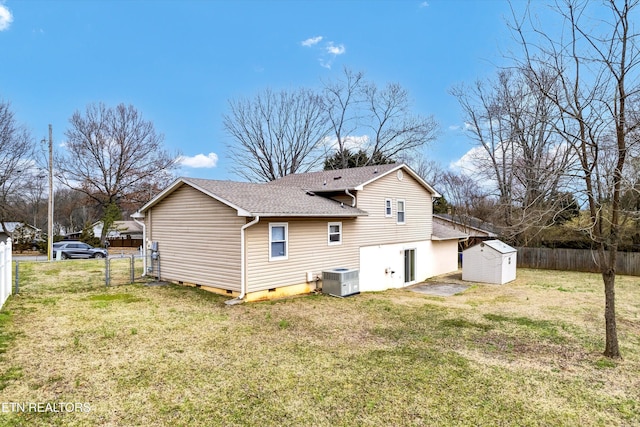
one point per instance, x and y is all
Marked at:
(122, 242)
(5, 271)
(575, 260)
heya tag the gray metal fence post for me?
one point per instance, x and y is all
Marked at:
(17, 279)
(107, 275)
(133, 270)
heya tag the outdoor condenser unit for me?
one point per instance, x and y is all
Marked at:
(340, 282)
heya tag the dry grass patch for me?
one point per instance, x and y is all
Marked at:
(526, 353)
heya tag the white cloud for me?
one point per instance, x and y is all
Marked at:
(328, 49)
(468, 163)
(199, 160)
(312, 41)
(424, 4)
(6, 18)
(335, 50)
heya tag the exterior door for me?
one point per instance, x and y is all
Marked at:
(409, 265)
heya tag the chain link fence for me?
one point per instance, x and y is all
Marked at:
(37, 277)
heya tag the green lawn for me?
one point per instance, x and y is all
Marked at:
(525, 354)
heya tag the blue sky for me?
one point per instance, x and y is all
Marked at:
(179, 62)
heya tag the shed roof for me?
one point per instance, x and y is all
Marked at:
(499, 246)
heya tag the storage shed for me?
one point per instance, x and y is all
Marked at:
(491, 261)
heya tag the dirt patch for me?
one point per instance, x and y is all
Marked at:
(439, 289)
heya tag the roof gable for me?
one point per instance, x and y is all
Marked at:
(12, 225)
(253, 199)
(346, 179)
(292, 195)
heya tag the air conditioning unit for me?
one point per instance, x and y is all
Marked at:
(340, 282)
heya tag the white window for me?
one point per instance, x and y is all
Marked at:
(387, 208)
(278, 241)
(335, 233)
(401, 212)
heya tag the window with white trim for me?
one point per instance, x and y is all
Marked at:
(278, 241)
(387, 208)
(400, 212)
(335, 233)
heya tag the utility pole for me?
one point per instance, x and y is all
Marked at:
(50, 208)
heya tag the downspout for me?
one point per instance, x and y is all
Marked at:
(135, 216)
(353, 205)
(243, 279)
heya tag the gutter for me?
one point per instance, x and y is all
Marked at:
(353, 205)
(135, 217)
(243, 279)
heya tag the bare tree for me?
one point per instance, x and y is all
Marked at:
(275, 134)
(379, 122)
(597, 70)
(342, 99)
(16, 149)
(395, 130)
(429, 170)
(73, 210)
(32, 204)
(514, 123)
(111, 153)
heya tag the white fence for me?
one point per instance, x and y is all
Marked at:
(5, 271)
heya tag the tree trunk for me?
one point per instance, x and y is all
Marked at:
(611, 336)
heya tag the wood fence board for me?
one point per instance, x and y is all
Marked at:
(628, 263)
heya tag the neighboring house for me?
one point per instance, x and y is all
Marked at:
(8, 229)
(476, 229)
(259, 241)
(119, 230)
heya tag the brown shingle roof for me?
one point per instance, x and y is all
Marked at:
(445, 232)
(345, 179)
(270, 200)
(335, 180)
(292, 195)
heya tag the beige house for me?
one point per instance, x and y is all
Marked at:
(260, 241)
(119, 229)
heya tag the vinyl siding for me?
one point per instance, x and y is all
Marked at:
(308, 251)
(377, 229)
(198, 238)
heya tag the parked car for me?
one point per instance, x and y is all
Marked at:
(71, 249)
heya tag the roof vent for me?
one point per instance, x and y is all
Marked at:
(375, 170)
(325, 182)
(337, 177)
